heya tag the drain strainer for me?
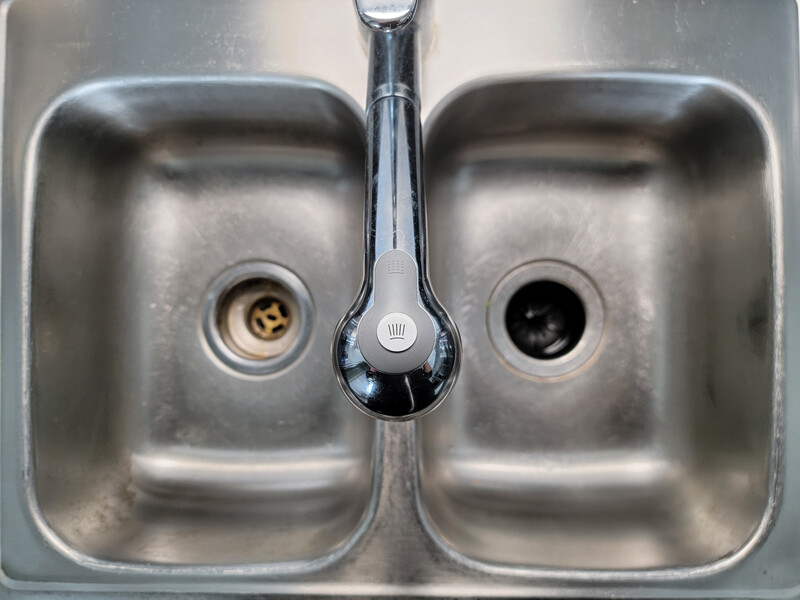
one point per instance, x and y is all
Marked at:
(257, 318)
(269, 318)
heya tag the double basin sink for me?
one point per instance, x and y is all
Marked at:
(652, 183)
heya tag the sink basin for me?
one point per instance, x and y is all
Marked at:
(182, 227)
(147, 449)
(655, 452)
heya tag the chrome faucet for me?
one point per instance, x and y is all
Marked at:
(396, 352)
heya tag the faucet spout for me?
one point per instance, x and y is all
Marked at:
(397, 352)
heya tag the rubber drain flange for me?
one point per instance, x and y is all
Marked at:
(545, 319)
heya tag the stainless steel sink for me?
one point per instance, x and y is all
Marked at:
(147, 449)
(182, 227)
(655, 451)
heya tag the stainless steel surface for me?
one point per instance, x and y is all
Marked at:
(390, 384)
(650, 145)
(147, 448)
(659, 188)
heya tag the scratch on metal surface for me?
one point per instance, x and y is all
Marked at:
(678, 14)
(584, 25)
(73, 45)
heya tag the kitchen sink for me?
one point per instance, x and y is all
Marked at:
(182, 228)
(145, 449)
(656, 451)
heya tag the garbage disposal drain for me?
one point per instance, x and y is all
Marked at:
(545, 319)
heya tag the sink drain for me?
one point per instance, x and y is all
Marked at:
(257, 318)
(545, 319)
(269, 318)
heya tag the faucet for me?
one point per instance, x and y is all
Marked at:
(396, 352)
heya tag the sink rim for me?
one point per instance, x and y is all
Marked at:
(774, 209)
(552, 36)
(29, 199)
(773, 501)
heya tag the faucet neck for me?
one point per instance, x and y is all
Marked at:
(395, 201)
(393, 65)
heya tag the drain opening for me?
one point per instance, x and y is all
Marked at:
(545, 319)
(257, 318)
(269, 318)
(254, 318)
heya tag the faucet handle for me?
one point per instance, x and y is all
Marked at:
(386, 15)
